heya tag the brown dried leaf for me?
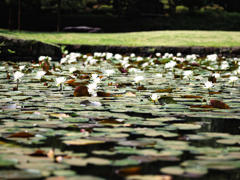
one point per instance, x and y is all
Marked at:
(202, 106)
(191, 96)
(219, 104)
(129, 170)
(212, 93)
(73, 83)
(39, 153)
(103, 94)
(169, 90)
(85, 76)
(21, 134)
(140, 88)
(81, 91)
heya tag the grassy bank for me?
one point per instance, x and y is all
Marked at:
(150, 38)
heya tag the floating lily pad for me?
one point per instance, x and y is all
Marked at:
(197, 171)
(83, 142)
(7, 162)
(20, 174)
(84, 162)
(146, 177)
(183, 126)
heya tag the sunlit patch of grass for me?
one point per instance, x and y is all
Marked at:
(150, 38)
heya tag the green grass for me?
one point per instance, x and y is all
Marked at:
(150, 38)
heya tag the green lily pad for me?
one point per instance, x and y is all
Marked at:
(20, 174)
(186, 126)
(197, 171)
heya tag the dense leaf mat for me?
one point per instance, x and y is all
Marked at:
(106, 116)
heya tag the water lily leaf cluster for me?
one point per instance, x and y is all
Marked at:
(113, 116)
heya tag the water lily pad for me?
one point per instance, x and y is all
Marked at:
(83, 142)
(229, 141)
(125, 162)
(84, 162)
(186, 126)
(185, 171)
(20, 174)
(146, 177)
(7, 162)
(65, 173)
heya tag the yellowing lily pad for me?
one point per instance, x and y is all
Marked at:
(82, 142)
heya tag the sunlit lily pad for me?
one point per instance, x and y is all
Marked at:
(84, 162)
(7, 162)
(82, 142)
(186, 171)
(20, 174)
(146, 177)
(186, 126)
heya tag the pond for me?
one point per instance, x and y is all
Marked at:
(111, 116)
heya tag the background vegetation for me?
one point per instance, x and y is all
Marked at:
(120, 15)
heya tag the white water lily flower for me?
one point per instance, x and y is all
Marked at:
(154, 97)
(97, 54)
(132, 55)
(208, 84)
(40, 74)
(59, 81)
(109, 55)
(118, 56)
(158, 54)
(167, 56)
(212, 57)
(72, 60)
(125, 66)
(224, 65)
(124, 62)
(210, 68)
(170, 65)
(179, 54)
(48, 58)
(18, 76)
(233, 79)
(139, 58)
(238, 70)
(65, 52)
(216, 75)
(92, 61)
(191, 57)
(42, 58)
(145, 64)
(109, 72)
(159, 75)
(72, 69)
(180, 59)
(137, 79)
(92, 88)
(134, 70)
(94, 76)
(187, 73)
(22, 67)
(97, 80)
(63, 60)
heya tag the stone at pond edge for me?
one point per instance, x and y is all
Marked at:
(27, 49)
